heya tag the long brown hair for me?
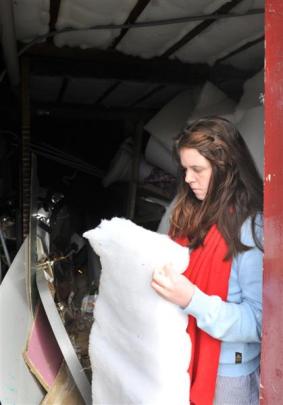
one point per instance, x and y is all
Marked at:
(235, 190)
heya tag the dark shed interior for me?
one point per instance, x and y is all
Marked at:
(77, 91)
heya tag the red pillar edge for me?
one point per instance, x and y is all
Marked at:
(272, 344)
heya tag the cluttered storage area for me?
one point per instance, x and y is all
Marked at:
(93, 95)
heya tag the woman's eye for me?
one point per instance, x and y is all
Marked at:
(197, 169)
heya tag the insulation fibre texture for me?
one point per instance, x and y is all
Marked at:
(139, 348)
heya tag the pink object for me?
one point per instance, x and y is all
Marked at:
(43, 354)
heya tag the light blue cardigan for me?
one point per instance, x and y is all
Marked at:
(237, 322)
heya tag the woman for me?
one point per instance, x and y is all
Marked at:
(218, 214)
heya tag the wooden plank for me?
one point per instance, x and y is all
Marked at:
(272, 337)
(49, 60)
(72, 112)
(63, 391)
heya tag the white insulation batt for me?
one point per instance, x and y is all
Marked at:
(139, 348)
(168, 122)
(32, 19)
(173, 117)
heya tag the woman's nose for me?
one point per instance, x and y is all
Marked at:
(189, 177)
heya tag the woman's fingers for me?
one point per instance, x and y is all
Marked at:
(158, 288)
(161, 278)
(163, 272)
(174, 287)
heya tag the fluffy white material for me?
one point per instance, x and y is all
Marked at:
(253, 89)
(164, 224)
(31, 18)
(88, 13)
(156, 40)
(164, 126)
(121, 165)
(212, 101)
(251, 127)
(211, 44)
(139, 348)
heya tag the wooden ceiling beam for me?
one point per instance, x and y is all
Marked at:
(54, 7)
(146, 96)
(201, 27)
(229, 79)
(53, 11)
(133, 16)
(46, 59)
(88, 112)
(241, 49)
(63, 88)
(107, 92)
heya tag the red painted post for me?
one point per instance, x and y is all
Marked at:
(272, 346)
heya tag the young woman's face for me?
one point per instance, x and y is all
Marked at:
(198, 171)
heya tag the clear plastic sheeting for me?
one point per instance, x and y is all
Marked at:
(139, 348)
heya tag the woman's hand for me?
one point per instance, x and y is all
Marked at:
(174, 287)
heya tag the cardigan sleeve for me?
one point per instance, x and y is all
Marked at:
(238, 318)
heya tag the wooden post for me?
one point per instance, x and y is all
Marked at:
(272, 351)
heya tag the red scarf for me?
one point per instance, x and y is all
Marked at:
(210, 273)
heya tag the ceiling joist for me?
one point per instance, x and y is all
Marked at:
(63, 88)
(241, 49)
(148, 95)
(107, 92)
(135, 13)
(54, 11)
(46, 59)
(77, 111)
